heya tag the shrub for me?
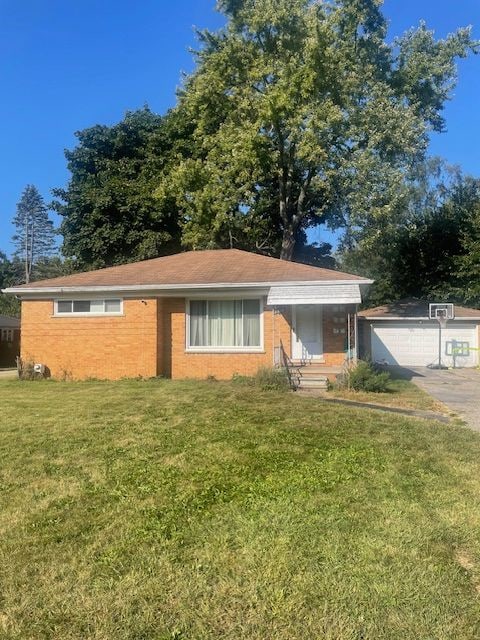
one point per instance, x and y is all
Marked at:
(364, 377)
(267, 379)
(270, 379)
(26, 370)
(237, 378)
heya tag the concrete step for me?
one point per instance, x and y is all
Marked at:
(317, 368)
(309, 372)
(313, 383)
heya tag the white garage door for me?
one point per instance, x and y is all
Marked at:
(416, 344)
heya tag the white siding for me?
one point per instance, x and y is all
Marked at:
(416, 344)
(315, 294)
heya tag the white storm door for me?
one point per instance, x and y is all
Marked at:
(307, 337)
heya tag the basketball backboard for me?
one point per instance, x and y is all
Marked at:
(441, 311)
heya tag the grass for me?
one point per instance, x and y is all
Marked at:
(402, 393)
(164, 510)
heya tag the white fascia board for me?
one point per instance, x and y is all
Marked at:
(417, 319)
(159, 289)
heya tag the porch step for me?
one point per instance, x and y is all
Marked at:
(316, 370)
(312, 375)
(318, 367)
(320, 382)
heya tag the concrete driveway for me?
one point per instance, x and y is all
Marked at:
(459, 389)
(8, 373)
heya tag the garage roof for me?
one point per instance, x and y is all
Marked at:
(412, 308)
(9, 322)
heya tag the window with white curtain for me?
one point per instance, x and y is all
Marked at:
(224, 324)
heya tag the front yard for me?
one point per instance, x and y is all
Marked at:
(164, 510)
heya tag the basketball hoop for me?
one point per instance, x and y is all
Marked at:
(441, 312)
(442, 320)
(438, 309)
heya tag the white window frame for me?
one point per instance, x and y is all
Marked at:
(7, 335)
(232, 349)
(86, 314)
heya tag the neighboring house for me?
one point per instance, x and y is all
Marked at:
(402, 334)
(9, 341)
(190, 315)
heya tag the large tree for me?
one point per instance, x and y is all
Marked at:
(304, 112)
(109, 209)
(468, 264)
(9, 305)
(427, 250)
(35, 236)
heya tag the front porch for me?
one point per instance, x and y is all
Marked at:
(322, 340)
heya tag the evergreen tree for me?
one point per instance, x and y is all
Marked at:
(35, 236)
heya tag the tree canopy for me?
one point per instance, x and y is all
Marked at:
(9, 305)
(430, 248)
(109, 209)
(303, 112)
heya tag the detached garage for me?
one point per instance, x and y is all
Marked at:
(402, 334)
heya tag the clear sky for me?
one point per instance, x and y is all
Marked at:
(66, 65)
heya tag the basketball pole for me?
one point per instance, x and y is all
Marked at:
(442, 312)
(439, 344)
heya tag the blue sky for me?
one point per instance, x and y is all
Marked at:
(66, 65)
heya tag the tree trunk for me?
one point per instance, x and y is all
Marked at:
(288, 244)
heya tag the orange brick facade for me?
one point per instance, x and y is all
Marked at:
(176, 362)
(149, 339)
(99, 347)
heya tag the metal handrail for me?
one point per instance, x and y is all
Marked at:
(287, 364)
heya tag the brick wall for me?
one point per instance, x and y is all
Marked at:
(149, 339)
(101, 347)
(334, 344)
(178, 363)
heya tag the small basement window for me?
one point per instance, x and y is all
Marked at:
(110, 306)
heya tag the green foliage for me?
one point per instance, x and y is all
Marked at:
(266, 379)
(302, 113)
(12, 273)
(270, 379)
(364, 377)
(468, 271)
(9, 305)
(429, 250)
(109, 209)
(35, 236)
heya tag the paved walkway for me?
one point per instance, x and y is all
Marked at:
(8, 373)
(415, 413)
(459, 389)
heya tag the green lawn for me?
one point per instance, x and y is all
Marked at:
(195, 510)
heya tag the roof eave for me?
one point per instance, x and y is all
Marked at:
(423, 318)
(28, 291)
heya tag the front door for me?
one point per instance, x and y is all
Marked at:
(307, 332)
